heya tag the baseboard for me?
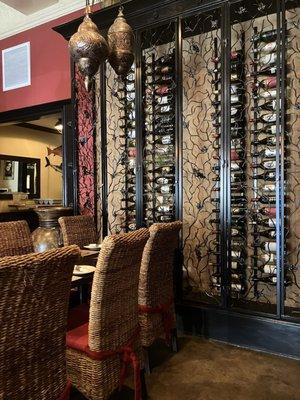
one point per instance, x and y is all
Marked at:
(249, 331)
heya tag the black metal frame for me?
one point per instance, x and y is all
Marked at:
(142, 14)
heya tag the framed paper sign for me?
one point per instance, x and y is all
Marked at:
(8, 170)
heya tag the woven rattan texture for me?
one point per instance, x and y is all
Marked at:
(15, 239)
(156, 277)
(113, 313)
(34, 300)
(79, 229)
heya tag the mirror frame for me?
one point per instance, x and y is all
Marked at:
(68, 113)
(9, 196)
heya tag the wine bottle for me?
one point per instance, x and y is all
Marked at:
(267, 59)
(265, 199)
(131, 199)
(128, 125)
(236, 287)
(235, 88)
(131, 152)
(132, 227)
(266, 246)
(235, 66)
(163, 180)
(266, 83)
(163, 90)
(165, 208)
(265, 258)
(128, 208)
(127, 117)
(165, 189)
(267, 233)
(265, 71)
(267, 94)
(267, 153)
(267, 176)
(167, 139)
(164, 70)
(163, 80)
(131, 179)
(269, 188)
(267, 223)
(238, 210)
(270, 105)
(164, 170)
(165, 100)
(130, 189)
(269, 141)
(165, 108)
(234, 55)
(234, 78)
(267, 280)
(266, 36)
(270, 269)
(267, 118)
(265, 164)
(269, 129)
(269, 211)
(129, 135)
(267, 48)
(234, 166)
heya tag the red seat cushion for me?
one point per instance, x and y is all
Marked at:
(77, 338)
(66, 393)
(78, 316)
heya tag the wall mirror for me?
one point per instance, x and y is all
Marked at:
(19, 174)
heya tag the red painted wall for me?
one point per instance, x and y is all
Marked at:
(50, 67)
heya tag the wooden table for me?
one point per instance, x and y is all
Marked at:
(88, 257)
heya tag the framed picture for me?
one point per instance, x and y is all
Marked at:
(8, 171)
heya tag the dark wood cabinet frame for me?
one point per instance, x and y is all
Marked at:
(272, 333)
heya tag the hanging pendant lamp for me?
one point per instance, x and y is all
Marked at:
(88, 47)
(120, 41)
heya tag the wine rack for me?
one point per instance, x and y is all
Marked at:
(205, 129)
(216, 269)
(238, 256)
(264, 95)
(159, 134)
(128, 127)
(121, 151)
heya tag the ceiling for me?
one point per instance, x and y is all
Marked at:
(19, 15)
(29, 6)
(48, 121)
(43, 124)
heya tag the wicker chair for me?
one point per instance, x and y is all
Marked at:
(98, 350)
(15, 239)
(33, 313)
(78, 229)
(156, 303)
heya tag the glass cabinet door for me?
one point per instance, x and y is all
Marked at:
(291, 167)
(255, 137)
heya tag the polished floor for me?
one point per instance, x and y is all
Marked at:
(206, 370)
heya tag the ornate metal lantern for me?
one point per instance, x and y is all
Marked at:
(120, 41)
(88, 48)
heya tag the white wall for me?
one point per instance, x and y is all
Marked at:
(23, 142)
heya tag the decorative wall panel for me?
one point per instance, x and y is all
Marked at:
(85, 147)
(201, 179)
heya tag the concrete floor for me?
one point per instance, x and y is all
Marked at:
(205, 370)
